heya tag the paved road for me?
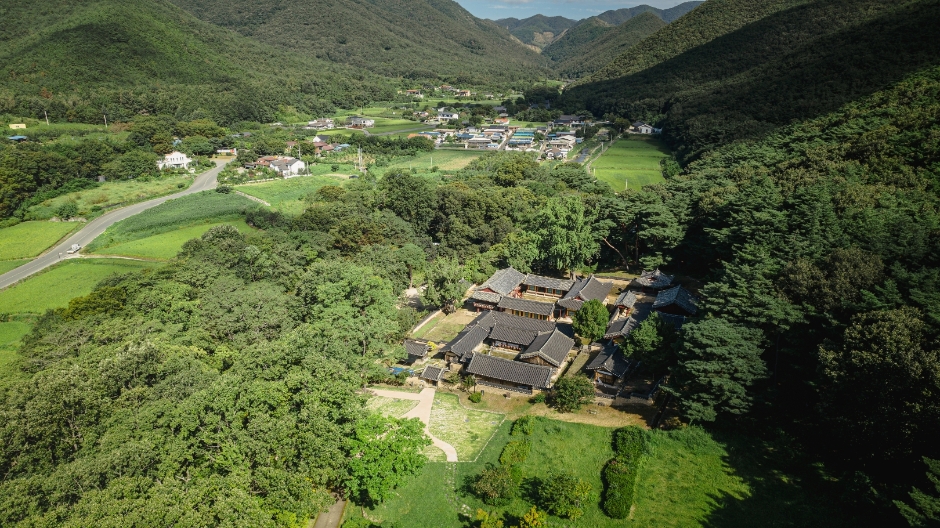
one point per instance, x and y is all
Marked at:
(423, 412)
(93, 229)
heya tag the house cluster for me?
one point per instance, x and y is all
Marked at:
(284, 166)
(320, 124)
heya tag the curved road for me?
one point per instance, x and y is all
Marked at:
(93, 229)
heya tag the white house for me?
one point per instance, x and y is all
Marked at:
(361, 122)
(320, 124)
(644, 128)
(174, 160)
(288, 167)
(447, 116)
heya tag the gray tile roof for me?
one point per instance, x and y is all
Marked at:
(654, 279)
(626, 299)
(589, 289)
(416, 348)
(548, 282)
(486, 297)
(678, 296)
(432, 373)
(553, 347)
(611, 359)
(527, 306)
(509, 334)
(467, 341)
(504, 281)
(517, 372)
(571, 304)
(620, 328)
(516, 321)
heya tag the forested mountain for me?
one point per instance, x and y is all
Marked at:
(538, 30)
(615, 17)
(417, 39)
(577, 54)
(78, 60)
(734, 69)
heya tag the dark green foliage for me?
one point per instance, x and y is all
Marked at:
(577, 40)
(578, 53)
(590, 321)
(653, 343)
(410, 197)
(515, 453)
(622, 472)
(563, 494)
(925, 510)
(538, 30)
(524, 425)
(383, 451)
(67, 210)
(495, 485)
(445, 284)
(475, 397)
(571, 393)
(539, 398)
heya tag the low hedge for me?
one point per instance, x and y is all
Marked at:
(515, 453)
(622, 472)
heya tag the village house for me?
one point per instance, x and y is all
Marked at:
(283, 165)
(360, 122)
(568, 120)
(415, 93)
(610, 368)
(653, 281)
(675, 301)
(584, 290)
(505, 374)
(417, 351)
(320, 124)
(643, 128)
(444, 115)
(174, 160)
(227, 152)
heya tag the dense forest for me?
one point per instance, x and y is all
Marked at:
(538, 30)
(590, 45)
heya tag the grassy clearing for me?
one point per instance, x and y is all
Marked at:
(287, 195)
(11, 333)
(442, 329)
(29, 239)
(167, 245)
(390, 406)
(448, 160)
(690, 479)
(633, 161)
(385, 126)
(203, 208)
(467, 430)
(7, 265)
(112, 194)
(63, 282)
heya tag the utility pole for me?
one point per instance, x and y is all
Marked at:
(105, 120)
(47, 117)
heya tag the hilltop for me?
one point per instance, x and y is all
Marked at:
(416, 39)
(538, 30)
(592, 44)
(79, 60)
(615, 17)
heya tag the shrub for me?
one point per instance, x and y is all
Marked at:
(538, 398)
(623, 471)
(476, 397)
(515, 453)
(223, 189)
(67, 210)
(572, 393)
(495, 485)
(524, 425)
(564, 495)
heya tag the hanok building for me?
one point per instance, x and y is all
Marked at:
(417, 351)
(432, 374)
(584, 290)
(505, 282)
(510, 375)
(625, 302)
(653, 280)
(618, 329)
(610, 367)
(547, 286)
(497, 329)
(526, 308)
(675, 301)
(549, 349)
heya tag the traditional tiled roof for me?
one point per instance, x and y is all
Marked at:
(504, 281)
(416, 348)
(527, 306)
(515, 321)
(432, 373)
(620, 327)
(467, 341)
(548, 282)
(509, 334)
(654, 279)
(626, 299)
(612, 360)
(571, 304)
(487, 297)
(553, 347)
(589, 289)
(678, 296)
(535, 376)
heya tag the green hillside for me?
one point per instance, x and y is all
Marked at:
(615, 17)
(574, 42)
(416, 39)
(587, 57)
(79, 60)
(755, 67)
(538, 30)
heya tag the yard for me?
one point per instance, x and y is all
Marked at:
(441, 328)
(691, 478)
(30, 239)
(166, 245)
(468, 430)
(631, 161)
(56, 286)
(287, 195)
(111, 194)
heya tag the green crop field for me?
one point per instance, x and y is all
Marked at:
(203, 208)
(112, 194)
(166, 245)
(689, 479)
(632, 160)
(7, 265)
(55, 287)
(384, 126)
(287, 195)
(29, 239)
(449, 160)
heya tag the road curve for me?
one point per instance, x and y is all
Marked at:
(93, 229)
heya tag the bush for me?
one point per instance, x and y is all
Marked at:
(515, 453)
(223, 189)
(623, 471)
(524, 425)
(564, 495)
(495, 485)
(572, 393)
(476, 397)
(67, 210)
(538, 398)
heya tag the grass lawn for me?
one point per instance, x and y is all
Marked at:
(7, 265)
(468, 430)
(442, 329)
(690, 479)
(110, 194)
(390, 406)
(203, 208)
(632, 160)
(29, 239)
(166, 245)
(287, 195)
(55, 287)
(448, 160)
(10, 334)
(384, 126)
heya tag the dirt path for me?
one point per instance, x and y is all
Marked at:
(330, 518)
(423, 412)
(253, 198)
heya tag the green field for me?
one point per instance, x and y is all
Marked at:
(288, 195)
(205, 208)
(633, 161)
(690, 479)
(468, 430)
(112, 194)
(386, 126)
(55, 287)
(7, 265)
(166, 245)
(449, 160)
(390, 406)
(29, 239)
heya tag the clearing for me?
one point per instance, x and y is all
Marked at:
(448, 160)
(112, 194)
(288, 195)
(468, 430)
(56, 286)
(30, 239)
(442, 329)
(167, 245)
(391, 406)
(631, 161)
